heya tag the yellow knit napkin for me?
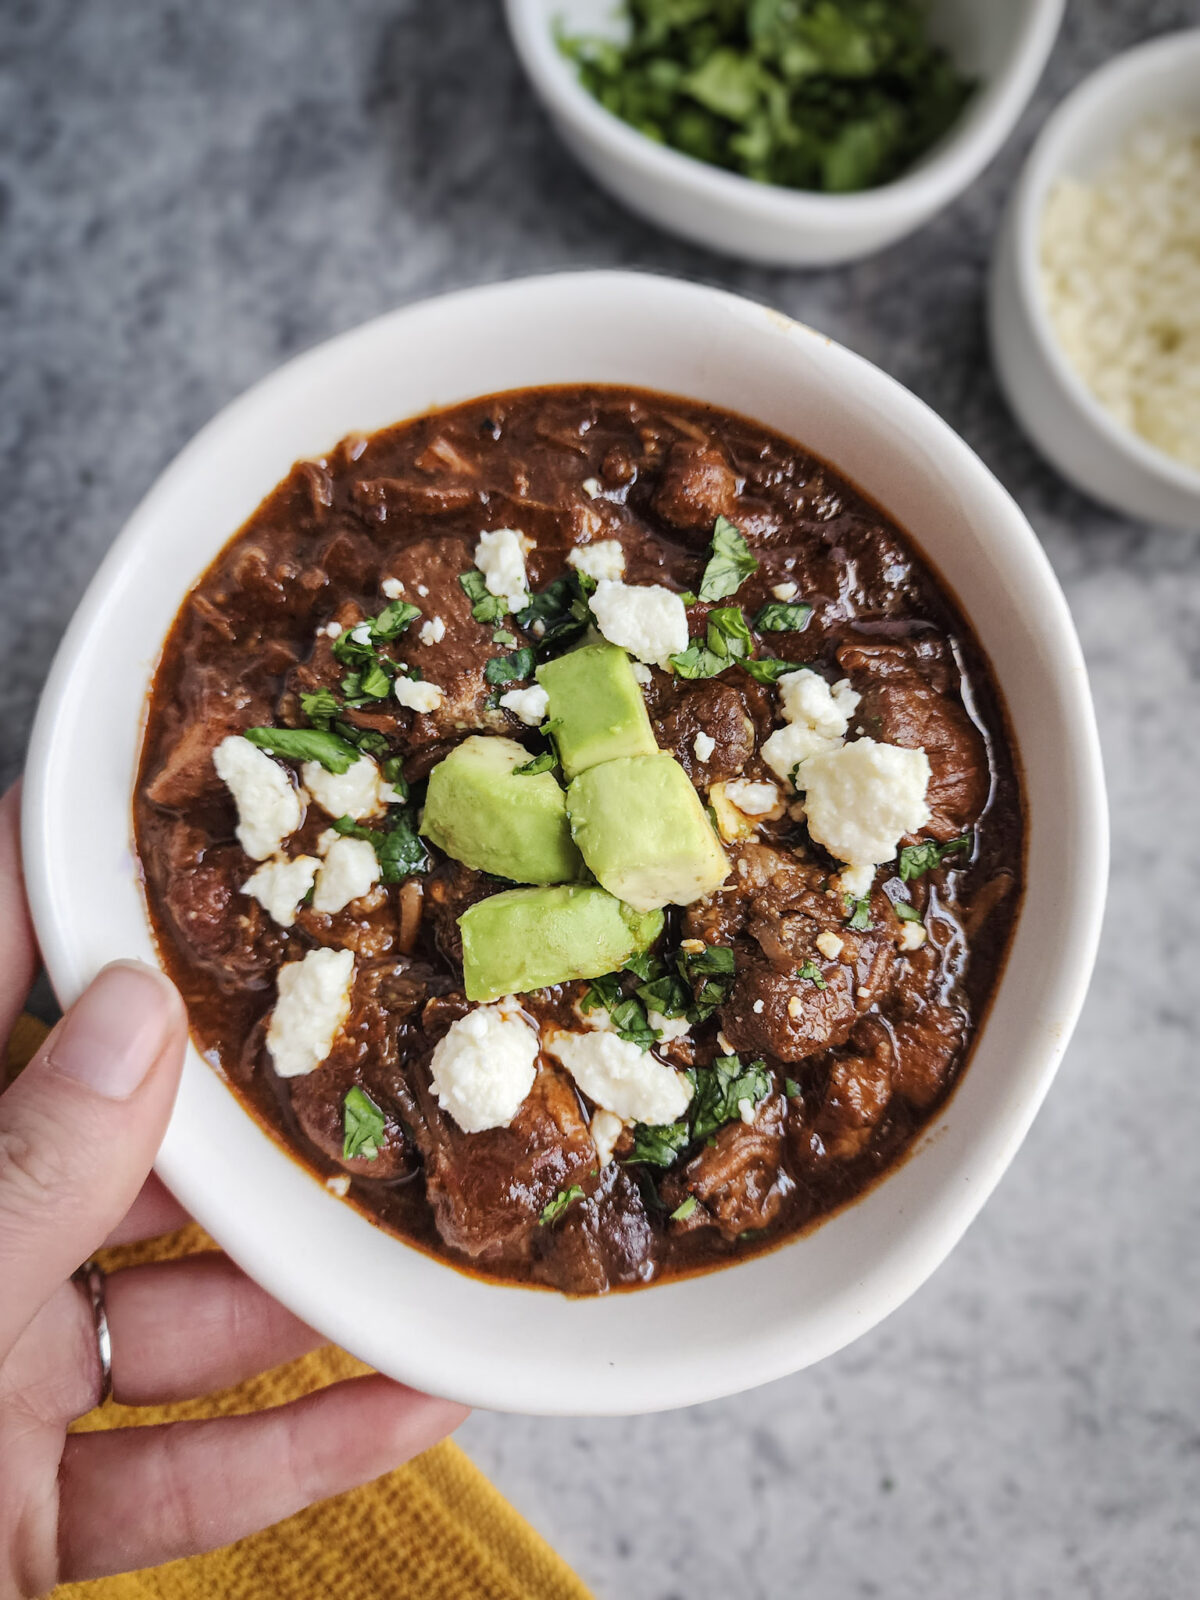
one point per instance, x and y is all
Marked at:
(435, 1529)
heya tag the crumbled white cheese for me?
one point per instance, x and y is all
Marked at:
(312, 1006)
(828, 943)
(816, 718)
(746, 1111)
(484, 1067)
(641, 673)
(856, 881)
(339, 1184)
(592, 487)
(754, 799)
(759, 1007)
(422, 590)
(418, 695)
(604, 559)
(354, 793)
(620, 1077)
(703, 744)
(331, 630)
(280, 885)
(912, 936)
(268, 807)
(725, 1046)
(350, 870)
(392, 588)
(432, 632)
(528, 704)
(668, 1029)
(606, 1130)
(500, 556)
(795, 1007)
(645, 619)
(862, 798)
(361, 633)
(785, 591)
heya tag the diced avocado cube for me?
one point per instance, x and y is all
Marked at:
(481, 813)
(641, 829)
(527, 939)
(596, 707)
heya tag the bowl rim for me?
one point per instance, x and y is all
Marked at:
(1089, 101)
(921, 1244)
(954, 162)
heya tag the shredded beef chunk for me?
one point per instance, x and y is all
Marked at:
(852, 1017)
(488, 1190)
(601, 1240)
(738, 1179)
(697, 486)
(900, 705)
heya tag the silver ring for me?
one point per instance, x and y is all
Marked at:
(91, 1278)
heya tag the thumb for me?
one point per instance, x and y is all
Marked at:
(79, 1130)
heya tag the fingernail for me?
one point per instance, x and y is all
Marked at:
(115, 1031)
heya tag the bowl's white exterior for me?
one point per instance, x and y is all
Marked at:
(1054, 405)
(412, 1317)
(1004, 45)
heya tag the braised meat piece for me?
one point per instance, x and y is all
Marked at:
(697, 486)
(211, 711)
(318, 1103)
(604, 1239)
(488, 1190)
(223, 930)
(709, 710)
(856, 1096)
(449, 889)
(737, 1177)
(901, 706)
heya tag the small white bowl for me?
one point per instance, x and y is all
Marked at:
(406, 1313)
(1056, 408)
(1003, 45)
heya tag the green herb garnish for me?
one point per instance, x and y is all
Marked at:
(905, 912)
(546, 762)
(502, 636)
(398, 847)
(320, 707)
(684, 1209)
(859, 913)
(660, 1146)
(792, 1089)
(561, 610)
(813, 973)
(363, 1123)
(918, 859)
(727, 642)
(783, 616)
(485, 606)
(305, 744)
(555, 1208)
(721, 1089)
(511, 668)
(627, 1012)
(730, 563)
(833, 95)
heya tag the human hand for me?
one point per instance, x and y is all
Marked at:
(78, 1133)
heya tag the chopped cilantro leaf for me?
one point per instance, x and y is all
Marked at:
(918, 859)
(559, 615)
(783, 616)
(812, 972)
(363, 1126)
(688, 598)
(792, 1089)
(645, 966)
(660, 1146)
(906, 912)
(768, 669)
(667, 994)
(485, 606)
(393, 620)
(729, 564)
(320, 707)
(393, 773)
(546, 762)
(502, 636)
(511, 668)
(859, 913)
(305, 744)
(684, 1209)
(374, 681)
(627, 1012)
(721, 1089)
(398, 847)
(554, 1209)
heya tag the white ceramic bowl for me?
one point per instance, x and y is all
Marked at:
(513, 1348)
(1056, 408)
(1004, 45)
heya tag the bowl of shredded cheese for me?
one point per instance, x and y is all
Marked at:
(1095, 295)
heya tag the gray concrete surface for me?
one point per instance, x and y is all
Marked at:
(189, 193)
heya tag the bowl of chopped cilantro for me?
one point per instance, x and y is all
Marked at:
(792, 132)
